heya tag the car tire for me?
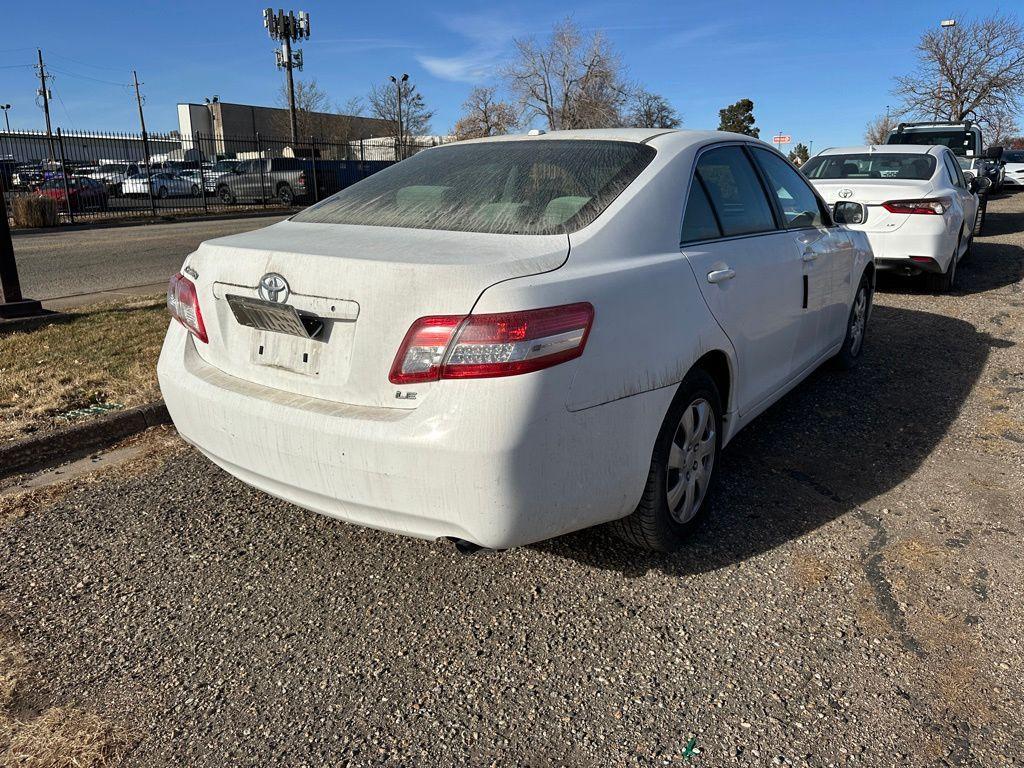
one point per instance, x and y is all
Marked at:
(162, 193)
(664, 519)
(285, 195)
(979, 219)
(225, 195)
(856, 327)
(943, 282)
(195, 190)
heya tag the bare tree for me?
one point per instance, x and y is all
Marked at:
(1000, 126)
(965, 70)
(346, 124)
(568, 80)
(484, 115)
(311, 102)
(651, 110)
(391, 101)
(879, 128)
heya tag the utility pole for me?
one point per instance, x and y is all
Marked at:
(145, 143)
(287, 27)
(945, 24)
(399, 153)
(7, 119)
(45, 93)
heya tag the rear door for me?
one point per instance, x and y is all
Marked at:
(968, 200)
(747, 268)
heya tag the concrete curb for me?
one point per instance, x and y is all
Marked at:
(80, 439)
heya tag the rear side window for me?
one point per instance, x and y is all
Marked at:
(953, 169)
(735, 191)
(699, 221)
(798, 203)
(532, 187)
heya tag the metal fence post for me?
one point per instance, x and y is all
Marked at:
(202, 177)
(263, 183)
(64, 176)
(362, 156)
(316, 185)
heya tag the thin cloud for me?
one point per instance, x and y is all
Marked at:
(489, 38)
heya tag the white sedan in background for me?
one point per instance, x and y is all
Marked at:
(165, 184)
(1014, 168)
(919, 212)
(503, 340)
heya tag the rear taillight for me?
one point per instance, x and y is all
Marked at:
(933, 207)
(483, 346)
(302, 178)
(183, 304)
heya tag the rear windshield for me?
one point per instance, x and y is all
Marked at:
(957, 139)
(870, 166)
(510, 187)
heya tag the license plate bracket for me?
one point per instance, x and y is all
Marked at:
(276, 318)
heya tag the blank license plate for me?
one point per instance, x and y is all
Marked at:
(268, 316)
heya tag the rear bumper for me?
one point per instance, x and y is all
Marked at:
(893, 250)
(484, 461)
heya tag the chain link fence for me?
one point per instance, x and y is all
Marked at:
(84, 177)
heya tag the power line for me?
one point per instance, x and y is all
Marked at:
(87, 77)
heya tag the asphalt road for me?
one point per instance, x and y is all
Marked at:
(70, 263)
(853, 599)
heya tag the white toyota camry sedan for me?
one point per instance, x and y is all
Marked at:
(919, 212)
(503, 340)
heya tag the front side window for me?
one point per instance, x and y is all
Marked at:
(531, 187)
(798, 203)
(735, 192)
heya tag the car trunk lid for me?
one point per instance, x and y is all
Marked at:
(873, 193)
(367, 284)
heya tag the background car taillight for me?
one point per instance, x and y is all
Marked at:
(483, 346)
(933, 207)
(183, 304)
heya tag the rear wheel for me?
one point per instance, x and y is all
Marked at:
(856, 326)
(195, 190)
(225, 195)
(162, 193)
(943, 282)
(285, 194)
(682, 474)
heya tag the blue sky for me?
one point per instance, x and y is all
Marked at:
(815, 70)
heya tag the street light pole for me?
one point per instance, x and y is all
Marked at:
(944, 24)
(12, 303)
(400, 153)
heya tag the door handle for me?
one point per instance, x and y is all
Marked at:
(810, 255)
(721, 275)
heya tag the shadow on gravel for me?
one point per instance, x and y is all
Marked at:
(989, 267)
(834, 443)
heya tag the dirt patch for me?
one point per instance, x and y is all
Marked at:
(103, 359)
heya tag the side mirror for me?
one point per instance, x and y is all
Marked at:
(993, 153)
(845, 212)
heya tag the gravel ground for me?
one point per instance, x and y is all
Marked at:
(854, 597)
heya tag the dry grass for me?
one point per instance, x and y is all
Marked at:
(34, 211)
(63, 738)
(105, 355)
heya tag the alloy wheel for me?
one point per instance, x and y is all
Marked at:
(691, 460)
(858, 320)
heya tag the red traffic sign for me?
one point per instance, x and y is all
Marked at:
(781, 139)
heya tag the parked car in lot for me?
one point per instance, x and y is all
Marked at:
(503, 340)
(919, 211)
(114, 174)
(215, 171)
(1014, 168)
(164, 184)
(82, 193)
(280, 178)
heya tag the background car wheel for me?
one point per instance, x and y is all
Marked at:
(162, 193)
(682, 475)
(856, 326)
(285, 195)
(195, 190)
(224, 193)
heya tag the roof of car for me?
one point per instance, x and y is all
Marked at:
(903, 149)
(676, 138)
